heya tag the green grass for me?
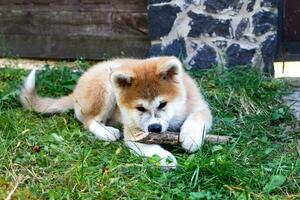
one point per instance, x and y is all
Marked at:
(58, 159)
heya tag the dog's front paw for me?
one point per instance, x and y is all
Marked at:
(168, 163)
(190, 144)
(156, 153)
(114, 133)
(192, 136)
(106, 133)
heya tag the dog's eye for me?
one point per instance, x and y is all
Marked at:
(141, 108)
(162, 105)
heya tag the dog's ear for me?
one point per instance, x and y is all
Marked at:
(171, 70)
(121, 79)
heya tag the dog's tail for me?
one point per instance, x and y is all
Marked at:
(31, 100)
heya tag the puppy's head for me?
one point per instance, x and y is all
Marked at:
(149, 92)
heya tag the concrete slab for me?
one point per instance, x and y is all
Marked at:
(294, 98)
(29, 63)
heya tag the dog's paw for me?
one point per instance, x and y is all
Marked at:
(106, 133)
(192, 136)
(168, 163)
(190, 145)
(114, 133)
(109, 135)
(156, 153)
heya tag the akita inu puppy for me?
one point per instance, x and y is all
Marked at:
(150, 95)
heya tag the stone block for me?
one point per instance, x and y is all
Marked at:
(238, 56)
(176, 48)
(264, 21)
(201, 24)
(268, 49)
(242, 26)
(215, 6)
(161, 20)
(205, 58)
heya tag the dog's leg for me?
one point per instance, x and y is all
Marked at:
(103, 132)
(94, 106)
(167, 160)
(95, 117)
(97, 124)
(194, 129)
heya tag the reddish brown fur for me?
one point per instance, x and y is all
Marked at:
(148, 83)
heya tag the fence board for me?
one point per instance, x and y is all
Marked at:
(89, 47)
(32, 28)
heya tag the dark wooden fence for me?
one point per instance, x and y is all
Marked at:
(289, 30)
(92, 29)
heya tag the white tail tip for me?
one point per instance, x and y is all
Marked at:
(29, 84)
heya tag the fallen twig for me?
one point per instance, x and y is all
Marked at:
(172, 138)
(9, 196)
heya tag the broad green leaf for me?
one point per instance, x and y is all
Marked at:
(275, 182)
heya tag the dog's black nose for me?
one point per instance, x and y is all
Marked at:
(155, 128)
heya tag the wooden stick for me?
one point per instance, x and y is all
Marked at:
(172, 138)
